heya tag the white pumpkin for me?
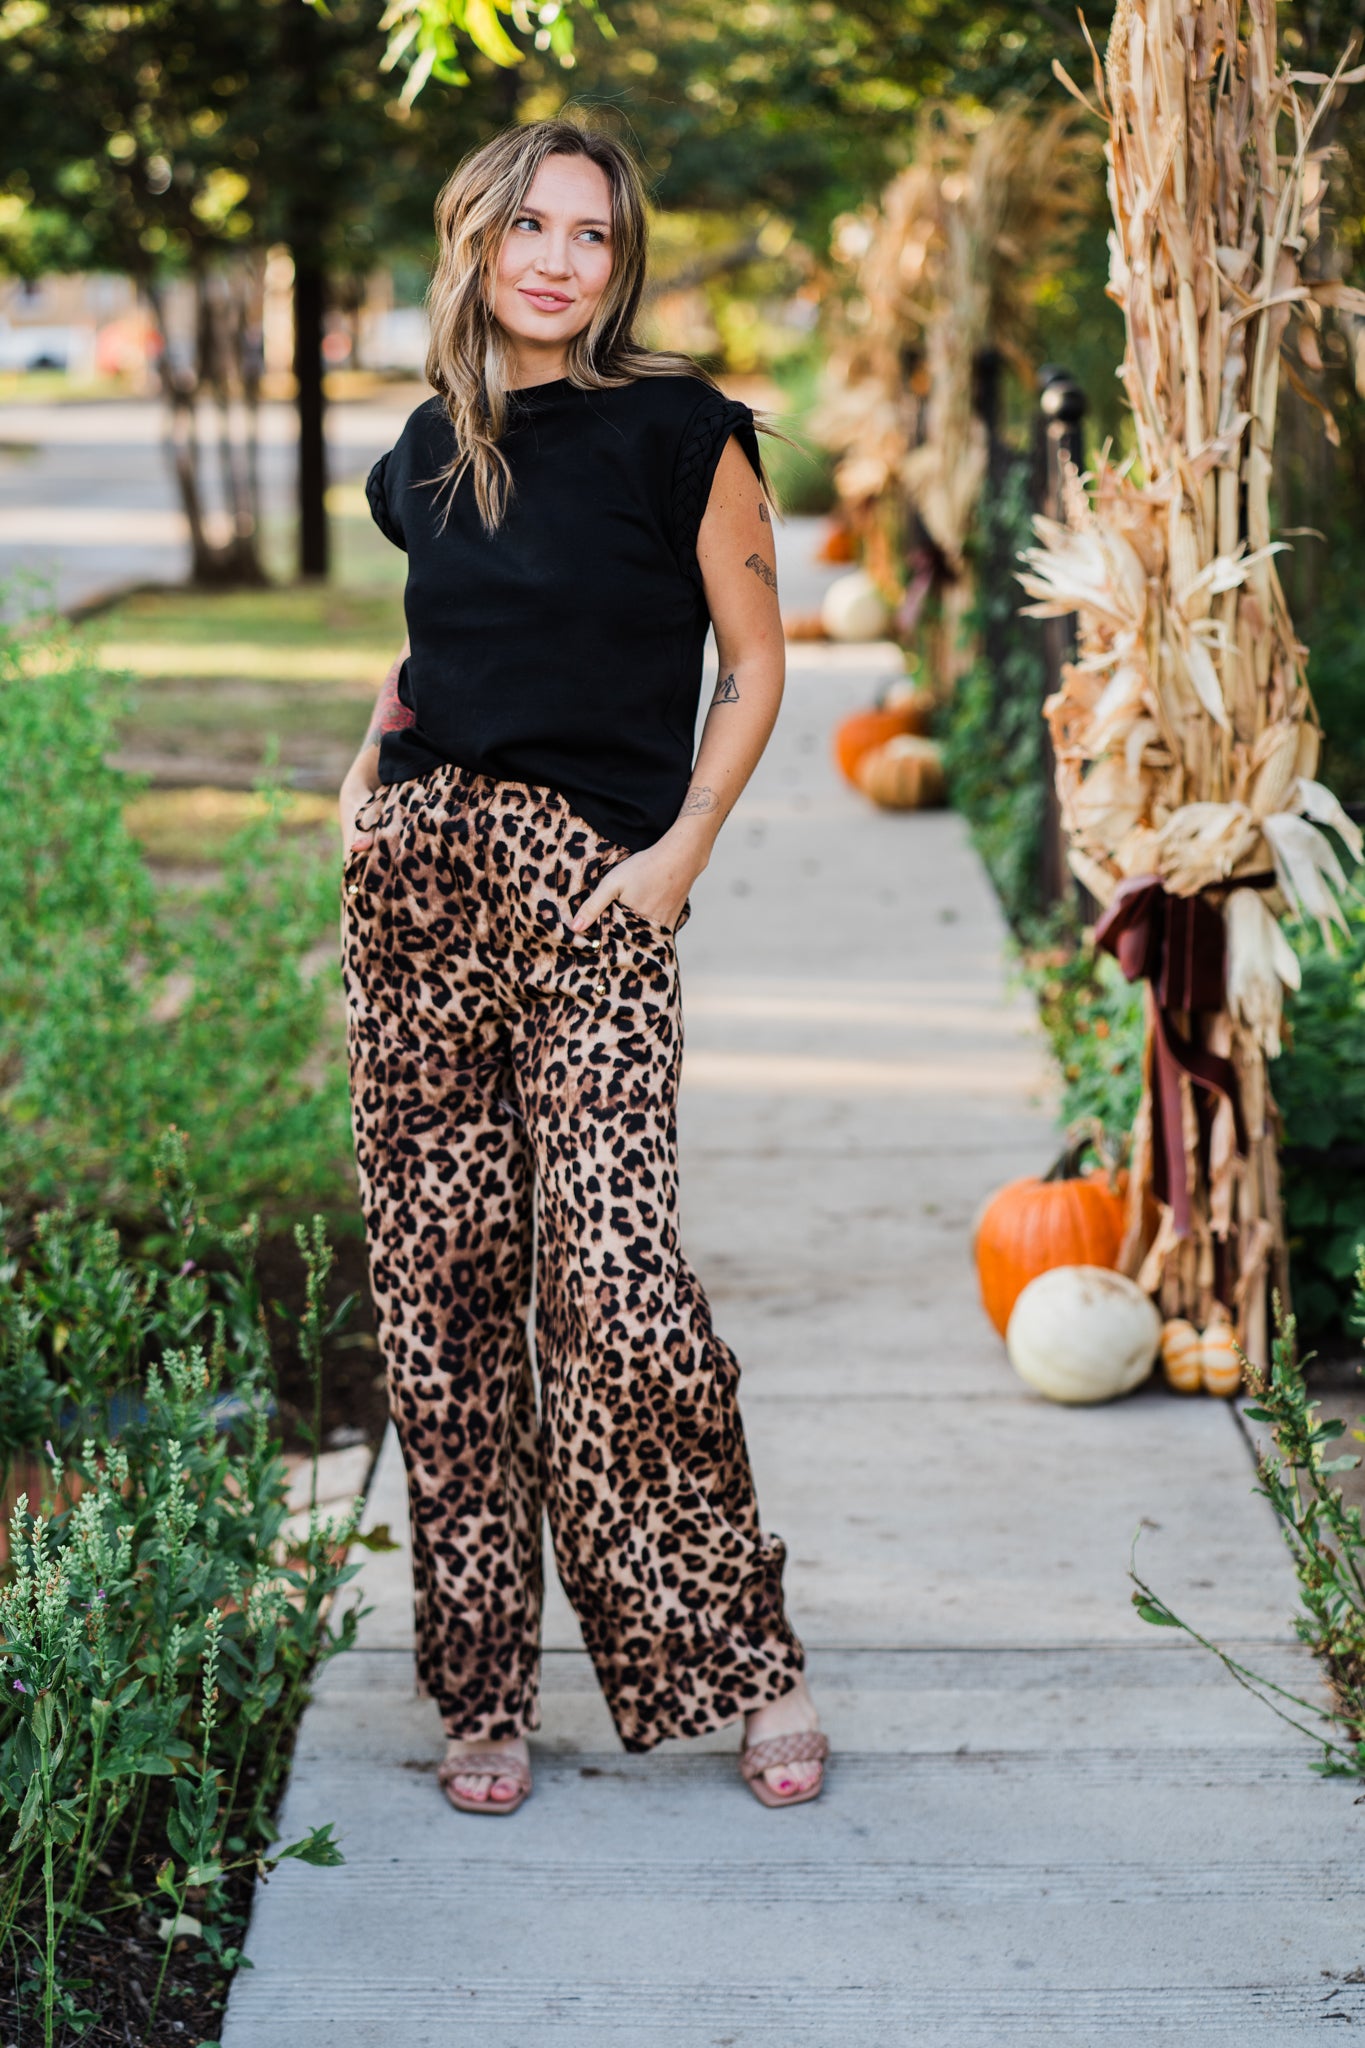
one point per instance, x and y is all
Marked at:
(1083, 1333)
(854, 608)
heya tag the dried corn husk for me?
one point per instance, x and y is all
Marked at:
(946, 264)
(1261, 965)
(1184, 732)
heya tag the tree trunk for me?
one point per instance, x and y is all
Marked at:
(309, 294)
(215, 367)
(307, 238)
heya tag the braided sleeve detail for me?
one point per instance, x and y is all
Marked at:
(699, 451)
(377, 494)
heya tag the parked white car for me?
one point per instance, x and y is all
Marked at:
(47, 348)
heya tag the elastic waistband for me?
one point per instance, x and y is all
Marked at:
(450, 782)
(451, 775)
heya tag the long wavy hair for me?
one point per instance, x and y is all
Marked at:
(469, 355)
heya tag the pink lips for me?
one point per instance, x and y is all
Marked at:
(546, 299)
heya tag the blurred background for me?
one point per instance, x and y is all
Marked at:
(886, 226)
(883, 224)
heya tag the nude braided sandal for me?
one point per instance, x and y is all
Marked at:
(484, 1763)
(806, 1746)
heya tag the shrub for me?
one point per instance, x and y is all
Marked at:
(160, 1619)
(1094, 1022)
(125, 1007)
(1319, 1082)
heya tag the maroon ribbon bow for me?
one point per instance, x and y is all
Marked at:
(1177, 943)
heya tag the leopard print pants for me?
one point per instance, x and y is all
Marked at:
(503, 1065)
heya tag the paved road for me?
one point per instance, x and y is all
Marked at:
(86, 497)
(1045, 1823)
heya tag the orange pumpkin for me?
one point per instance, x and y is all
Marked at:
(904, 775)
(911, 700)
(838, 545)
(860, 733)
(1028, 1227)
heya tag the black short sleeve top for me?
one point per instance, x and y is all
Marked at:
(566, 648)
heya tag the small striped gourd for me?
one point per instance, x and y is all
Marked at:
(1220, 1361)
(1182, 1356)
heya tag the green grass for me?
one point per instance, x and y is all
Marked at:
(232, 682)
(286, 633)
(189, 827)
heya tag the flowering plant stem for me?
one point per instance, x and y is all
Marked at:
(1326, 1541)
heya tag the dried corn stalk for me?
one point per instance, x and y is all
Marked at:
(944, 266)
(1184, 732)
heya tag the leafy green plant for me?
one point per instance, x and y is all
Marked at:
(1319, 1082)
(1094, 1023)
(1327, 1545)
(125, 1007)
(160, 1618)
(79, 1319)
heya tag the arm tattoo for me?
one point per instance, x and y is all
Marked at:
(699, 800)
(762, 571)
(390, 713)
(727, 690)
(763, 513)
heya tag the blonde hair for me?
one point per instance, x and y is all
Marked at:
(468, 355)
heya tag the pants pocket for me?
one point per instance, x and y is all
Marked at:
(631, 916)
(370, 817)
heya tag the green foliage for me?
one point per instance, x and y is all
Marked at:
(158, 138)
(801, 471)
(159, 1618)
(1326, 1542)
(425, 35)
(805, 110)
(124, 1008)
(1319, 1082)
(1330, 618)
(992, 729)
(1094, 1022)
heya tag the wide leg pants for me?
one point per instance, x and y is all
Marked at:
(498, 1060)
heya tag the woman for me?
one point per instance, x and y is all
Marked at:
(522, 827)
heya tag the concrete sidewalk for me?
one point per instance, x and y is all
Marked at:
(1044, 1821)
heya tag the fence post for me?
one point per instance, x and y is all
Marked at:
(1058, 440)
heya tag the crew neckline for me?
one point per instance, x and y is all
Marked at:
(533, 394)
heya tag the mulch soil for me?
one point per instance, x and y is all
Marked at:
(109, 1961)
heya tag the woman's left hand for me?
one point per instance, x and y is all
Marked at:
(655, 883)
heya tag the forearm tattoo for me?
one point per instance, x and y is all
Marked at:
(390, 713)
(699, 800)
(727, 690)
(762, 571)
